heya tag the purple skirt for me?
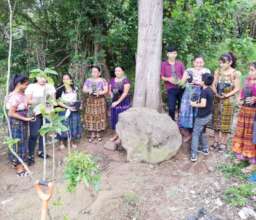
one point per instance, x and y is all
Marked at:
(123, 106)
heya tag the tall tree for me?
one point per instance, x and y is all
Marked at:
(148, 58)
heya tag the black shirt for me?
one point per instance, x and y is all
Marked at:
(208, 95)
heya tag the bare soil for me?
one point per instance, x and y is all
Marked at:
(172, 190)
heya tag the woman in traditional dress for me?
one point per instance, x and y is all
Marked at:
(119, 91)
(244, 145)
(17, 106)
(67, 96)
(95, 106)
(193, 78)
(226, 86)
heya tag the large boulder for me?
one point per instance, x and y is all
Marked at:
(148, 136)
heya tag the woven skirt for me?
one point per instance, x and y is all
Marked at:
(242, 143)
(95, 113)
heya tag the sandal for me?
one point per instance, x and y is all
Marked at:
(222, 147)
(41, 155)
(99, 139)
(20, 170)
(251, 168)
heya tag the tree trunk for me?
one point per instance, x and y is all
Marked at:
(148, 59)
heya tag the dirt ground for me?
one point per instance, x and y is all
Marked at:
(172, 190)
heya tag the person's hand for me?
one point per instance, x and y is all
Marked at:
(193, 104)
(172, 80)
(29, 119)
(250, 100)
(114, 104)
(72, 109)
(219, 96)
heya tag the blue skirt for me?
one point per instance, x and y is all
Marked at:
(73, 123)
(187, 112)
(123, 106)
(19, 130)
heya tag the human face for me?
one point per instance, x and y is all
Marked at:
(119, 72)
(252, 70)
(66, 80)
(199, 63)
(172, 55)
(95, 73)
(41, 80)
(22, 86)
(224, 65)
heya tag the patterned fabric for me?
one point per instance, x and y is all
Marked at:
(17, 100)
(187, 112)
(223, 113)
(242, 141)
(118, 87)
(19, 130)
(95, 113)
(73, 123)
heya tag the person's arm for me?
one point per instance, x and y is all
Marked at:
(236, 86)
(214, 84)
(201, 104)
(123, 96)
(163, 76)
(12, 112)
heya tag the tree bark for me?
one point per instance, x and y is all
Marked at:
(148, 58)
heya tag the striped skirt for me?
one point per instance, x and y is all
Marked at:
(223, 114)
(73, 123)
(187, 112)
(19, 130)
(242, 143)
(95, 113)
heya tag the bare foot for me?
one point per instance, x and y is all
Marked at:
(62, 147)
(114, 138)
(74, 146)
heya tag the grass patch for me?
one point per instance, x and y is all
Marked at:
(239, 195)
(233, 170)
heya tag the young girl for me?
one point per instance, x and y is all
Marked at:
(68, 99)
(226, 86)
(36, 93)
(193, 79)
(17, 106)
(119, 91)
(96, 107)
(243, 145)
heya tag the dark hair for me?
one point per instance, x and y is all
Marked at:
(15, 80)
(121, 67)
(198, 56)
(61, 88)
(253, 64)
(97, 67)
(171, 49)
(207, 78)
(229, 57)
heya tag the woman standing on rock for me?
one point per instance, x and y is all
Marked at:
(244, 140)
(95, 107)
(193, 79)
(67, 96)
(119, 91)
(17, 106)
(226, 86)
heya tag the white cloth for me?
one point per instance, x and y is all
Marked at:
(38, 93)
(69, 98)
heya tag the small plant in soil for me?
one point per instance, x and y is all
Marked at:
(81, 167)
(240, 195)
(233, 170)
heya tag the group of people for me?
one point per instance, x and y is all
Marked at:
(24, 105)
(206, 100)
(202, 99)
